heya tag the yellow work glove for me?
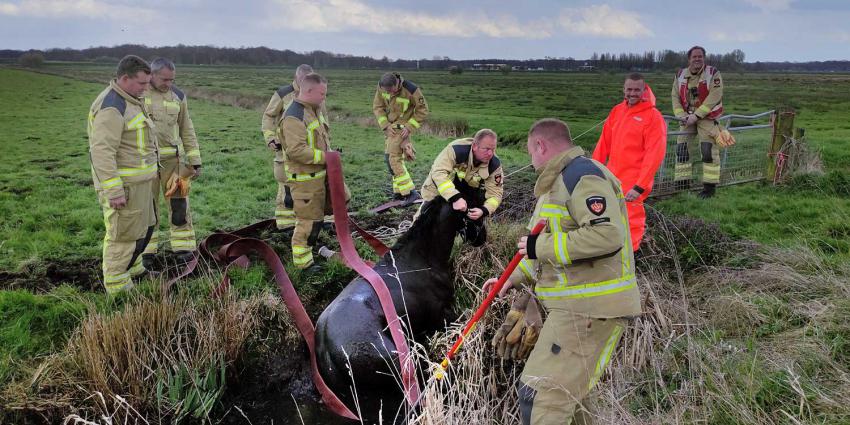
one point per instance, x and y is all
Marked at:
(409, 150)
(177, 186)
(724, 139)
(516, 337)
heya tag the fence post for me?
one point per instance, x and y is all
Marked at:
(783, 126)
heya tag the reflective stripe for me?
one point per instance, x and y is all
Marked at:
(183, 244)
(137, 122)
(405, 103)
(169, 150)
(414, 123)
(110, 183)
(322, 119)
(445, 186)
(605, 357)
(561, 252)
(493, 203)
(461, 174)
(382, 119)
(678, 111)
(311, 136)
(137, 171)
(317, 156)
(554, 210)
(590, 289)
(526, 267)
(405, 187)
(704, 109)
(306, 177)
(194, 153)
(284, 213)
(148, 101)
(268, 133)
(116, 278)
(182, 234)
(385, 95)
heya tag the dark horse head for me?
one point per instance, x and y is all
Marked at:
(352, 331)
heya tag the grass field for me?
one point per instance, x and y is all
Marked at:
(52, 226)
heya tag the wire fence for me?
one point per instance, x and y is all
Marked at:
(744, 162)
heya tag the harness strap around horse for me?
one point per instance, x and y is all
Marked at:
(352, 258)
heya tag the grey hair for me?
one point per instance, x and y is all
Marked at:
(484, 132)
(388, 80)
(303, 70)
(159, 63)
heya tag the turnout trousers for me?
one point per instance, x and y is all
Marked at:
(706, 131)
(570, 356)
(128, 231)
(181, 232)
(394, 155)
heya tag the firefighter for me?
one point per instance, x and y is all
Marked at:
(697, 102)
(281, 99)
(632, 145)
(304, 131)
(124, 159)
(400, 109)
(179, 159)
(582, 269)
(471, 162)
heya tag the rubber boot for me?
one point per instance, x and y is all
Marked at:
(707, 190)
(682, 185)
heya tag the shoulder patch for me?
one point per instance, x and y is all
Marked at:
(494, 165)
(461, 153)
(410, 86)
(114, 100)
(295, 110)
(577, 169)
(179, 93)
(285, 90)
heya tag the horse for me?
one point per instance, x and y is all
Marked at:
(352, 333)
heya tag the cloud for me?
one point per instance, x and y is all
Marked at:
(603, 21)
(356, 15)
(841, 36)
(75, 9)
(771, 5)
(739, 37)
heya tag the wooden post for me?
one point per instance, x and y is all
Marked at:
(783, 126)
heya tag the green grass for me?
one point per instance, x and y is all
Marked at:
(50, 211)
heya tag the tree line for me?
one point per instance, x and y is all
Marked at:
(264, 56)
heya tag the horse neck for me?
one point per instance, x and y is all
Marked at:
(432, 248)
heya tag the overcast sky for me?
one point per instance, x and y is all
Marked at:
(766, 30)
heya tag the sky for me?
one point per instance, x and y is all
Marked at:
(766, 30)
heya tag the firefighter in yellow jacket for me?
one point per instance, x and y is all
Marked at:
(400, 109)
(124, 159)
(697, 101)
(179, 159)
(281, 99)
(582, 270)
(305, 134)
(470, 162)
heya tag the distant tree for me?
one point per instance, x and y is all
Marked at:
(505, 69)
(455, 70)
(31, 59)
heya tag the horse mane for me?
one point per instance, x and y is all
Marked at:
(428, 218)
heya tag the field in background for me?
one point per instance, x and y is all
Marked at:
(52, 227)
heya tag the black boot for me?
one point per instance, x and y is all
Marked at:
(707, 190)
(412, 197)
(184, 257)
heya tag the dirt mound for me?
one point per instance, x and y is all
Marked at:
(43, 276)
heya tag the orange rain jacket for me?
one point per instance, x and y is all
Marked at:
(632, 145)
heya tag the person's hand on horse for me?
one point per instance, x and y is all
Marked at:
(475, 213)
(459, 205)
(516, 337)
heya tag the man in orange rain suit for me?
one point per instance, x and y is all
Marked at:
(632, 145)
